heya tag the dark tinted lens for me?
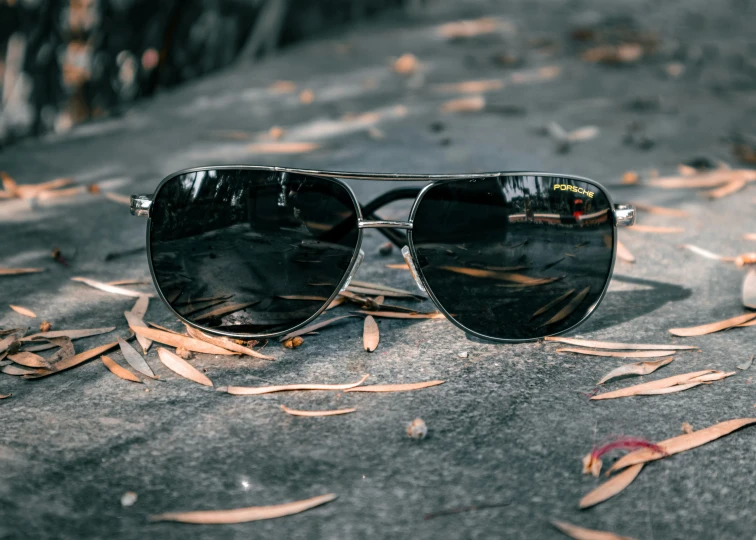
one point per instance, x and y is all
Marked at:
(515, 257)
(252, 252)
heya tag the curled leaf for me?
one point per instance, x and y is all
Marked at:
(619, 346)
(295, 412)
(177, 340)
(615, 354)
(180, 366)
(23, 311)
(638, 368)
(370, 334)
(681, 443)
(244, 515)
(651, 386)
(611, 487)
(109, 288)
(257, 390)
(712, 327)
(118, 370)
(395, 387)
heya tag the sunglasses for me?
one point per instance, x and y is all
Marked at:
(257, 252)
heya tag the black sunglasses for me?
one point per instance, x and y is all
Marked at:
(256, 252)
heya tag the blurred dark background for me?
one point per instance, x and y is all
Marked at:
(66, 61)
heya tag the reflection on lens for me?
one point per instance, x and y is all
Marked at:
(251, 252)
(515, 257)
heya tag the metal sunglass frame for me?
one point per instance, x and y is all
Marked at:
(623, 216)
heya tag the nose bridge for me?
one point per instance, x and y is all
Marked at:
(384, 224)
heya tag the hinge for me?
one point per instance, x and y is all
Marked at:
(624, 215)
(140, 205)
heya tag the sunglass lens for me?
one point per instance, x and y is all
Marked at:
(515, 257)
(248, 251)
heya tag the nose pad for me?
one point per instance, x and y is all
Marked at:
(413, 269)
(360, 257)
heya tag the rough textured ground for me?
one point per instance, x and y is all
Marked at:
(510, 424)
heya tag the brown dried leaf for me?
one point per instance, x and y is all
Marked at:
(651, 386)
(19, 271)
(660, 211)
(135, 359)
(65, 348)
(623, 253)
(312, 328)
(177, 340)
(295, 412)
(281, 147)
(728, 189)
(567, 310)
(656, 230)
(109, 288)
(336, 302)
(716, 376)
(706, 179)
(619, 346)
(747, 236)
(471, 87)
(283, 87)
(465, 104)
(16, 371)
(403, 266)
(614, 354)
(72, 361)
(72, 334)
(224, 343)
(182, 367)
(581, 533)
(29, 359)
(258, 390)
(119, 371)
(681, 443)
(745, 258)
(512, 277)
(472, 27)
(670, 390)
(164, 329)
(712, 327)
(134, 320)
(638, 368)
(706, 253)
(23, 311)
(611, 487)
(244, 515)
(5, 396)
(141, 305)
(130, 282)
(395, 387)
(406, 64)
(400, 315)
(227, 310)
(370, 334)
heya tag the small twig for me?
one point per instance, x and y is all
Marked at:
(461, 509)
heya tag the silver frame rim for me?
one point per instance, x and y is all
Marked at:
(432, 296)
(237, 335)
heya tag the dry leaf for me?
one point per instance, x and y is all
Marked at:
(581, 533)
(545, 73)
(303, 298)
(134, 320)
(135, 359)
(472, 27)
(614, 354)
(406, 64)
(727, 189)
(623, 253)
(706, 253)
(567, 310)
(282, 147)
(295, 412)
(19, 271)
(283, 87)
(72, 334)
(130, 281)
(465, 104)
(177, 340)
(243, 515)
(611, 487)
(222, 311)
(182, 367)
(141, 305)
(395, 387)
(45, 326)
(659, 210)
(312, 328)
(164, 329)
(619, 346)
(224, 343)
(681, 443)
(65, 348)
(257, 390)
(119, 371)
(72, 361)
(712, 327)
(29, 359)
(5, 396)
(399, 315)
(716, 376)
(403, 266)
(705, 179)
(109, 288)
(747, 236)
(630, 177)
(638, 368)
(17, 371)
(551, 304)
(336, 302)
(370, 334)
(651, 386)
(656, 230)
(23, 311)
(306, 96)
(746, 258)
(670, 390)
(471, 87)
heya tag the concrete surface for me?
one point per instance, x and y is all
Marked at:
(510, 424)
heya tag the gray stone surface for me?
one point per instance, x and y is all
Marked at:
(510, 424)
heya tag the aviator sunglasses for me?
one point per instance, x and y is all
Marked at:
(257, 252)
